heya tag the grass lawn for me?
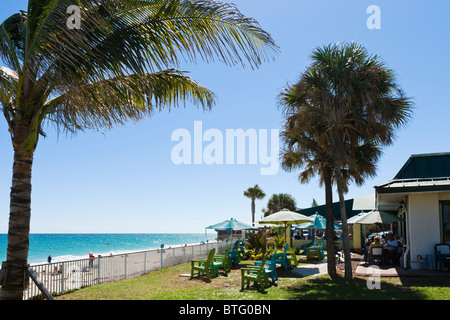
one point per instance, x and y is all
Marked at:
(167, 284)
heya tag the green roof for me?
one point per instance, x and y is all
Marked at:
(421, 173)
(425, 166)
(336, 210)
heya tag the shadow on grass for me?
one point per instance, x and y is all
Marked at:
(324, 288)
(425, 282)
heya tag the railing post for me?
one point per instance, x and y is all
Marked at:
(98, 266)
(145, 261)
(62, 277)
(125, 268)
(162, 248)
(173, 256)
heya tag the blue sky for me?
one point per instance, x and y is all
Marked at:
(124, 180)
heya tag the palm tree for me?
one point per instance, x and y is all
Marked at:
(280, 201)
(302, 151)
(360, 107)
(121, 65)
(254, 193)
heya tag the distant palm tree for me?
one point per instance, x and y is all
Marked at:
(280, 201)
(121, 65)
(358, 105)
(254, 193)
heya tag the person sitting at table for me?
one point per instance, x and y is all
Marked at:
(392, 246)
(397, 238)
(391, 242)
(376, 243)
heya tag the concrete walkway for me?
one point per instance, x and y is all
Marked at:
(312, 269)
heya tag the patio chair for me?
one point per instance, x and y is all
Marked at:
(311, 244)
(222, 260)
(255, 274)
(399, 255)
(271, 268)
(203, 266)
(292, 257)
(442, 253)
(283, 259)
(316, 251)
(376, 253)
(234, 253)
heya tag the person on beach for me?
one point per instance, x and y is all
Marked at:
(49, 259)
(91, 259)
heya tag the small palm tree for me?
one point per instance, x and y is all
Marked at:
(120, 65)
(253, 193)
(280, 201)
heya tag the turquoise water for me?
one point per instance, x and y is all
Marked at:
(64, 246)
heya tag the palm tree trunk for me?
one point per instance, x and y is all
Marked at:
(335, 145)
(345, 239)
(331, 261)
(19, 227)
(253, 211)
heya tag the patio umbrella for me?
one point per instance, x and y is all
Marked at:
(319, 223)
(285, 217)
(356, 217)
(375, 216)
(231, 224)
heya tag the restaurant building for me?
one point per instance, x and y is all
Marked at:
(420, 196)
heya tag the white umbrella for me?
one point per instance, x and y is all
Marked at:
(285, 217)
(374, 216)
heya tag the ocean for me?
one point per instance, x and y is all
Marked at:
(64, 246)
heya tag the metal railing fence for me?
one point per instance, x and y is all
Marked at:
(64, 277)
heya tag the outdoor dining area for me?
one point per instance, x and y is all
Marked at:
(262, 273)
(381, 247)
(253, 255)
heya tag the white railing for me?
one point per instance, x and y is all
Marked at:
(64, 277)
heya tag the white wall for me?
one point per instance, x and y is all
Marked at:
(423, 223)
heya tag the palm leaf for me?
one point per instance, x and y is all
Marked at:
(117, 100)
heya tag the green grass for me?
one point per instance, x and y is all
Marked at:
(167, 284)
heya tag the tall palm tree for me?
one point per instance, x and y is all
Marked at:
(253, 193)
(302, 151)
(280, 201)
(121, 65)
(361, 108)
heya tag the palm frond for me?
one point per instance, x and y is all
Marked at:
(117, 100)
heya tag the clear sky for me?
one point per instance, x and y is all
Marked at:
(125, 180)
